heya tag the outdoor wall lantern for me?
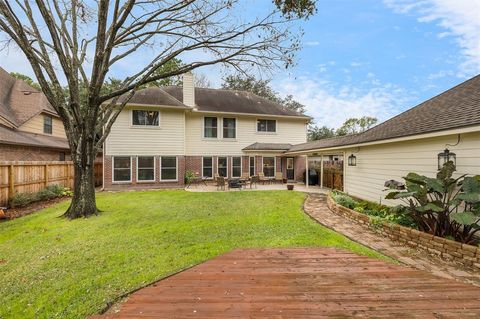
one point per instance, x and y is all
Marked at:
(352, 160)
(445, 157)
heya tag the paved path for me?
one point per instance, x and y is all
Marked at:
(316, 207)
(301, 283)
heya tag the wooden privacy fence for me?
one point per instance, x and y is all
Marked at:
(333, 174)
(31, 177)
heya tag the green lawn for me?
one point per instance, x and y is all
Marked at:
(54, 268)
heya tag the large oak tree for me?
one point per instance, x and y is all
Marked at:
(78, 43)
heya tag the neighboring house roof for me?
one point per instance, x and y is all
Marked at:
(19, 102)
(15, 137)
(153, 96)
(268, 147)
(455, 108)
(220, 100)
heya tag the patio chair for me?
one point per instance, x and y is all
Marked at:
(279, 177)
(245, 176)
(254, 180)
(220, 183)
(262, 179)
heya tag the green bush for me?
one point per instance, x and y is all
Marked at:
(189, 176)
(22, 199)
(345, 201)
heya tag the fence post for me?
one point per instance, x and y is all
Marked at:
(45, 168)
(11, 185)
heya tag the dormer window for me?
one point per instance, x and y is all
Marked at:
(145, 118)
(47, 124)
(267, 126)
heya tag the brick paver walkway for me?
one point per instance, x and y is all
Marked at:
(316, 207)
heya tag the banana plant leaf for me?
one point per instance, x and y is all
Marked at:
(433, 206)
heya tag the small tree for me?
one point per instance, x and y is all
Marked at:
(356, 125)
(82, 41)
(317, 133)
(443, 206)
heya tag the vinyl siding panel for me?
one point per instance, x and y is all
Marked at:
(379, 163)
(35, 125)
(167, 139)
(288, 131)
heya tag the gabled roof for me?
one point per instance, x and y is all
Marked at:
(457, 107)
(19, 102)
(268, 147)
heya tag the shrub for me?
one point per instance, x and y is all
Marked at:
(443, 206)
(346, 201)
(189, 176)
(22, 199)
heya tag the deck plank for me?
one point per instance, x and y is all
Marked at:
(301, 283)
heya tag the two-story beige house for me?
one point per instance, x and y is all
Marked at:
(164, 132)
(30, 129)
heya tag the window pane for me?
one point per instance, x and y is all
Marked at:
(121, 175)
(169, 168)
(236, 166)
(146, 162)
(121, 162)
(252, 166)
(207, 167)
(142, 117)
(269, 166)
(229, 127)
(146, 174)
(261, 126)
(271, 126)
(169, 162)
(169, 174)
(210, 127)
(222, 166)
(237, 161)
(47, 124)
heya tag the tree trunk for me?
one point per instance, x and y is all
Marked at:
(83, 201)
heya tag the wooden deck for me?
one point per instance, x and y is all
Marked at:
(301, 283)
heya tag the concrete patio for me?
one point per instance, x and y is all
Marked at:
(299, 187)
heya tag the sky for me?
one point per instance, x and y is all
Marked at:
(366, 57)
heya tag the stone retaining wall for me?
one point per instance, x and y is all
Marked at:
(468, 255)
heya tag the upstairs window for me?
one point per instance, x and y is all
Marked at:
(267, 126)
(229, 128)
(210, 127)
(145, 118)
(47, 124)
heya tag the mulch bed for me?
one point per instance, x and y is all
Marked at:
(17, 212)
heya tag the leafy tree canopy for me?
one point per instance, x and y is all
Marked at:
(27, 80)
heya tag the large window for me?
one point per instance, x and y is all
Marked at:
(145, 169)
(207, 167)
(269, 166)
(122, 169)
(145, 118)
(252, 165)
(229, 128)
(47, 124)
(266, 126)
(210, 127)
(236, 166)
(168, 166)
(222, 167)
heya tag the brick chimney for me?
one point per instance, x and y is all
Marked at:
(189, 89)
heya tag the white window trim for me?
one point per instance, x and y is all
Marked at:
(219, 124)
(154, 170)
(274, 165)
(218, 158)
(176, 170)
(265, 132)
(113, 170)
(236, 129)
(241, 168)
(254, 165)
(144, 126)
(207, 177)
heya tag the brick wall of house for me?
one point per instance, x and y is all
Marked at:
(245, 165)
(194, 164)
(27, 153)
(109, 185)
(278, 164)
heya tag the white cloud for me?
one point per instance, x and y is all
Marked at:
(331, 105)
(312, 43)
(460, 18)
